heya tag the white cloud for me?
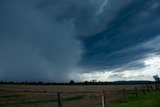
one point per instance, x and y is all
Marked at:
(152, 67)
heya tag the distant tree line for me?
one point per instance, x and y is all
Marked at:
(32, 83)
(72, 82)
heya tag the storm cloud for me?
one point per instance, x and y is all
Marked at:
(120, 44)
(34, 46)
(53, 40)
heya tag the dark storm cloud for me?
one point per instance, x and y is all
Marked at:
(33, 45)
(38, 38)
(50, 40)
(119, 45)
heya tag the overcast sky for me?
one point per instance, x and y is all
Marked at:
(60, 40)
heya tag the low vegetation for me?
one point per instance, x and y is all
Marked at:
(151, 99)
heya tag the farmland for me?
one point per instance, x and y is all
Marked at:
(73, 95)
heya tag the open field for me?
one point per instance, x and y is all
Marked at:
(73, 95)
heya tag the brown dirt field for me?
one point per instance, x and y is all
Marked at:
(45, 95)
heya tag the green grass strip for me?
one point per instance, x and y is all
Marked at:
(151, 99)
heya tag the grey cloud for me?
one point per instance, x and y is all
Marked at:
(119, 44)
(83, 14)
(34, 46)
(153, 44)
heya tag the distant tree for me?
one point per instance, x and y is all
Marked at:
(94, 81)
(11, 82)
(156, 78)
(71, 82)
(1, 82)
(40, 83)
(86, 83)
